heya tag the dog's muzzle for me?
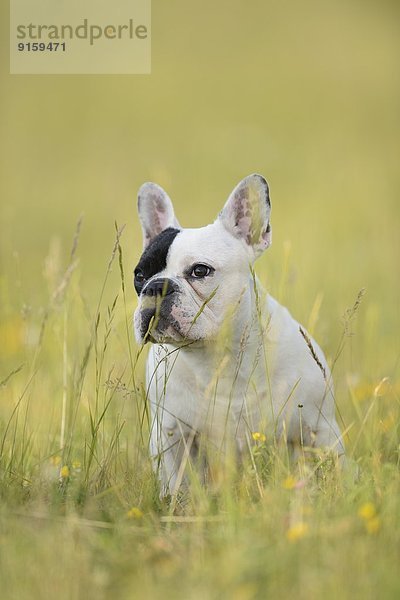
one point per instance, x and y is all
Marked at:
(161, 287)
(156, 304)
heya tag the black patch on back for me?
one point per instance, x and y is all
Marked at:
(154, 258)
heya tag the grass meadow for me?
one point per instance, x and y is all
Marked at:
(306, 94)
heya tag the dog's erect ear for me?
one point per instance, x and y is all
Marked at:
(156, 212)
(247, 211)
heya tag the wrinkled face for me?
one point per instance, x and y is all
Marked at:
(187, 279)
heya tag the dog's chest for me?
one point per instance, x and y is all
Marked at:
(211, 395)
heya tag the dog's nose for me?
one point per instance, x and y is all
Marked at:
(160, 287)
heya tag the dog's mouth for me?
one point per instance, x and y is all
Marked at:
(157, 325)
(173, 320)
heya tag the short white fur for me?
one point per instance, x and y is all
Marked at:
(238, 368)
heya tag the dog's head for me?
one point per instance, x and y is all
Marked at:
(186, 279)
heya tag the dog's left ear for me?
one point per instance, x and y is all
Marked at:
(156, 212)
(247, 212)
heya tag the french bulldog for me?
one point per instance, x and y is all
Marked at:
(228, 364)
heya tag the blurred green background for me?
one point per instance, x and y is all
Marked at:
(305, 93)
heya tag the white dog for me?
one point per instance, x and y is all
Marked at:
(225, 362)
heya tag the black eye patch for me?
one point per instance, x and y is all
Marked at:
(154, 258)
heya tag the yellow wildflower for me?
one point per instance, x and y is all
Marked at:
(55, 460)
(289, 483)
(12, 335)
(297, 531)
(367, 511)
(76, 464)
(373, 525)
(258, 437)
(134, 513)
(372, 522)
(64, 472)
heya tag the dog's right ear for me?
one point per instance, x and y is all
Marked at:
(246, 214)
(156, 212)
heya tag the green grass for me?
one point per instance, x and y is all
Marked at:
(80, 514)
(307, 95)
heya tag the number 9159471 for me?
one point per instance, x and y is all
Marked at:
(41, 46)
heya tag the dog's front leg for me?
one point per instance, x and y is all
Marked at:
(170, 449)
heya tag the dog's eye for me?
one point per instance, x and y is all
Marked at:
(199, 271)
(139, 277)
